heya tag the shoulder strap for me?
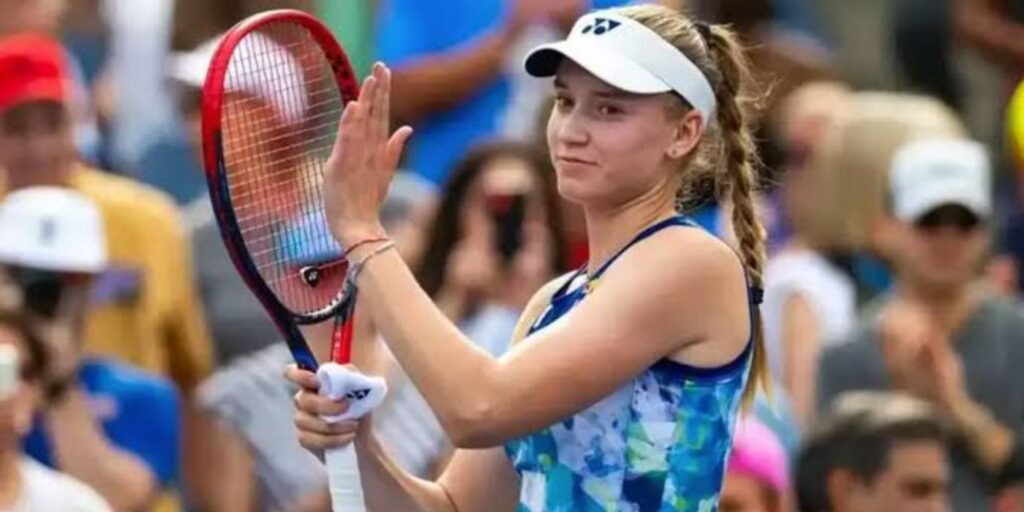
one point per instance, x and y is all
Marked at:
(676, 220)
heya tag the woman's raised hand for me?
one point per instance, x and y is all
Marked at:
(363, 161)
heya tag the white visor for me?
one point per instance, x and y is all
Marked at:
(627, 55)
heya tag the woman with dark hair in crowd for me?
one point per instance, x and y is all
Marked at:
(498, 205)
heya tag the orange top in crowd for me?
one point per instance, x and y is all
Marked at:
(32, 67)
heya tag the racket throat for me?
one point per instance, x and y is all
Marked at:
(341, 335)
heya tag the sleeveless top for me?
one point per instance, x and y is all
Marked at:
(659, 443)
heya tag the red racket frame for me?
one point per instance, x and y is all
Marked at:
(213, 99)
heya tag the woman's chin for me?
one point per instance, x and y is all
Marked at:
(571, 193)
(575, 190)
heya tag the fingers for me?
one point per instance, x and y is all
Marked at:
(363, 106)
(395, 146)
(316, 442)
(304, 379)
(379, 110)
(385, 100)
(316, 425)
(317, 405)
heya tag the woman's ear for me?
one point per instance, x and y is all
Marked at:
(686, 135)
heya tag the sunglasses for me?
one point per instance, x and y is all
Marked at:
(952, 216)
(42, 289)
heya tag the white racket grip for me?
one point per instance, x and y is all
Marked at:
(346, 485)
(363, 394)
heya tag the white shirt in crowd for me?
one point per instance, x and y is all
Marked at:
(46, 490)
(830, 293)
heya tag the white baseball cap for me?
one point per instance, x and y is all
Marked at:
(190, 68)
(929, 173)
(52, 228)
(627, 55)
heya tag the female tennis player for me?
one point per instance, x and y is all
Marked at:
(623, 392)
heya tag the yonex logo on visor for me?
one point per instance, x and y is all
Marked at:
(600, 26)
(628, 56)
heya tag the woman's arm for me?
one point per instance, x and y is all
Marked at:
(655, 301)
(475, 480)
(800, 346)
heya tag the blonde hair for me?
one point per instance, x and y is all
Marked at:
(853, 161)
(803, 120)
(722, 61)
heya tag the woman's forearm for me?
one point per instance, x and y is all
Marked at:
(388, 487)
(431, 350)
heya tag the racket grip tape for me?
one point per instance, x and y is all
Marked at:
(363, 393)
(346, 485)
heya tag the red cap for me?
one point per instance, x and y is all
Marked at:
(32, 67)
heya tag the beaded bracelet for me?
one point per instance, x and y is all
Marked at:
(362, 243)
(356, 268)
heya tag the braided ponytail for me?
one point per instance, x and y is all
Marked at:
(716, 52)
(740, 160)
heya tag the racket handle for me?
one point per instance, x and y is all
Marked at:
(345, 483)
(363, 394)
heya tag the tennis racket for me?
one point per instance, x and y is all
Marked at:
(273, 97)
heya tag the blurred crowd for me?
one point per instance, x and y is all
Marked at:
(137, 373)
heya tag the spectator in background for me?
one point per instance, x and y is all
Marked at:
(44, 16)
(875, 452)
(809, 300)
(52, 247)
(495, 234)
(857, 148)
(148, 315)
(145, 308)
(456, 85)
(26, 485)
(941, 334)
(757, 478)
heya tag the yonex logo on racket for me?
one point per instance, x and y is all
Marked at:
(601, 26)
(311, 276)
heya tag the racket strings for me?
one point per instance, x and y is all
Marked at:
(275, 144)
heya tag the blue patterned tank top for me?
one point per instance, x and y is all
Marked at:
(659, 443)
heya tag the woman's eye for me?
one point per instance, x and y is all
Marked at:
(608, 109)
(563, 102)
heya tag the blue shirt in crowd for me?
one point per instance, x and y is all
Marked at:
(140, 413)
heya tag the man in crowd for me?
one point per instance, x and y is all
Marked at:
(145, 309)
(874, 452)
(940, 334)
(102, 421)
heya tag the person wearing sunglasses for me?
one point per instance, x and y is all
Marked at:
(25, 484)
(942, 333)
(108, 424)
